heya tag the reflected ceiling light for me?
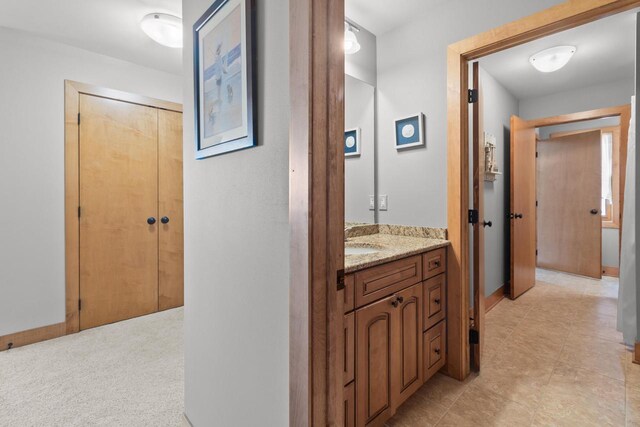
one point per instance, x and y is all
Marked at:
(351, 44)
(163, 28)
(550, 60)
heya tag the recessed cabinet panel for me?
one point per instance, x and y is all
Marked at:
(349, 347)
(409, 378)
(375, 349)
(434, 262)
(378, 282)
(435, 349)
(350, 405)
(435, 302)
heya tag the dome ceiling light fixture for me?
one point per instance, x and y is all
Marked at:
(163, 28)
(553, 59)
(351, 44)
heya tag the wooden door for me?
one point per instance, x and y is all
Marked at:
(376, 348)
(170, 239)
(118, 193)
(569, 192)
(408, 365)
(523, 207)
(478, 228)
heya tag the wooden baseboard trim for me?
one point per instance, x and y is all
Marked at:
(610, 271)
(493, 299)
(32, 336)
(636, 354)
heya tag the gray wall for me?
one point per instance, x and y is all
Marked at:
(599, 96)
(412, 78)
(498, 107)
(32, 74)
(359, 105)
(237, 249)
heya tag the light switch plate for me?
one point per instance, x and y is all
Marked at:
(384, 202)
(372, 202)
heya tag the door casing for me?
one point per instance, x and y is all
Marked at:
(72, 91)
(570, 14)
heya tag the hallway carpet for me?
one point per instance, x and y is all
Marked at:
(125, 374)
(553, 357)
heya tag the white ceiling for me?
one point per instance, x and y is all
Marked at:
(606, 52)
(109, 27)
(379, 17)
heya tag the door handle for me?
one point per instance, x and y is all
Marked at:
(519, 216)
(151, 220)
(487, 224)
(594, 211)
(164, 220)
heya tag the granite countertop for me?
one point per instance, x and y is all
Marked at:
(391, 242)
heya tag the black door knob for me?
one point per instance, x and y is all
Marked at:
(512, 215)
(164, 219)
(487, 224)
(594, 211)
(151, 220)
(519, 216)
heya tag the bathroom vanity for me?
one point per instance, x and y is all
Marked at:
(395, 317)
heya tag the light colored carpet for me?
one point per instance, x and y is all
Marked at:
(129, 373)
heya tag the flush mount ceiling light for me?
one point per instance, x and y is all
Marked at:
(351, 44)
(163, 28)
(550, 60)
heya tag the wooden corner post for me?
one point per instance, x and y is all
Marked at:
(316, 211)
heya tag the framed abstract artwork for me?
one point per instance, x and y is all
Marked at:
(224, 78)
(352, 142)
(409, 131)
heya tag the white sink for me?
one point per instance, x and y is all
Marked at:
(359, 251)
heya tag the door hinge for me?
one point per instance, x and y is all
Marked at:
(340, 279)
(473, 216)
(78, 119)
(79, 211)
(79, 304)
(474, 336)
(536, 203)
(473, 96)
(536, 252)
(536, 154)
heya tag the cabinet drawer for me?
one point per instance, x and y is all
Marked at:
(435, 349)
(435, 300)
(378, 282)
(434, 263)
(348, 293)
(349, 356)
(350, 405)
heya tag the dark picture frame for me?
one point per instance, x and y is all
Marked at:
(225, 86)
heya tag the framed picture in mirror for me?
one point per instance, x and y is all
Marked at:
(409, 131)
(352, 142)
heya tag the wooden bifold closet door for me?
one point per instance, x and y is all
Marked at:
(130, 178)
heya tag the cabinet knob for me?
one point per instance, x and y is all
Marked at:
(400, 300)
(594, 211)
(164, 220)
(151, 220)
(437, 301)
(394, 303)
(436, 351)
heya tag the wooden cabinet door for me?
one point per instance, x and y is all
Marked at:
(171, 238)
(118, 193)
(407, 375)
(350, 405)
(376, 349)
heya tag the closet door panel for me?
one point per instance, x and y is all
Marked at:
(170, 200)
(118, 196)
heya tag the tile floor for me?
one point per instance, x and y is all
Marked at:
(553, 357)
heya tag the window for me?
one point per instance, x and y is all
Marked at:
(606, 206)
